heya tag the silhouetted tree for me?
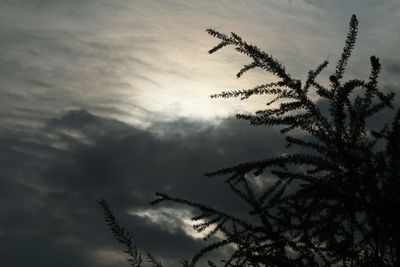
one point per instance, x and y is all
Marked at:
(336, 203)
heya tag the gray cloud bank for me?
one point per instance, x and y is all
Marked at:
(51, 179)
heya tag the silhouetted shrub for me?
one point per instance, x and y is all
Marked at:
(336, 203)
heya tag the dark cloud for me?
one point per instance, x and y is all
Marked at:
(392, 66)
(51, 180)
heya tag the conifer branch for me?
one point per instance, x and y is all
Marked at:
(121, 235)
(334, 203)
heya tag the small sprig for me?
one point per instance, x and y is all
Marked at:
(124, 237)
(121, 235)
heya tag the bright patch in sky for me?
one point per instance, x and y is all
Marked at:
(171, 220)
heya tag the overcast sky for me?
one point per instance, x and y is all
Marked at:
(102, 98)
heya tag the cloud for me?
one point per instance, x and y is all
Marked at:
(51, 180)
(171, 220)
(392, 66)
(121, 58)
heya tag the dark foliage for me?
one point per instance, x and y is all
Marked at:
(333, 204)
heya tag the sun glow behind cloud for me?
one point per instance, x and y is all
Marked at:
(137, 61)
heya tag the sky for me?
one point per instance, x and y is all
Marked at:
(110, 99)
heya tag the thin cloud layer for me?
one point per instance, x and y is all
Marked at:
(121, 58)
